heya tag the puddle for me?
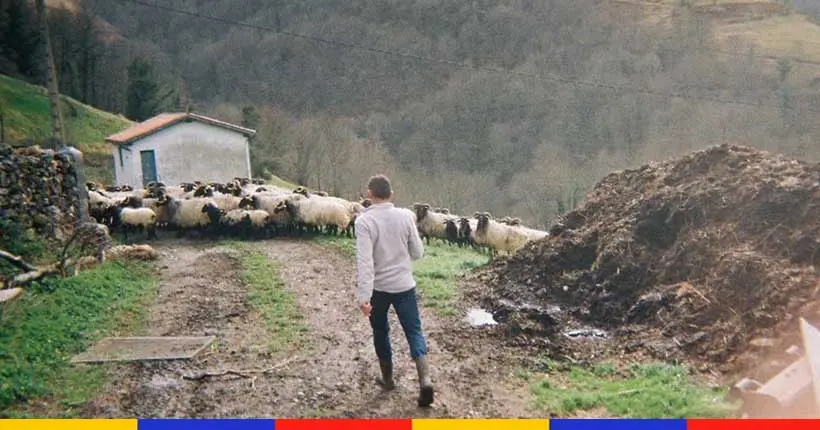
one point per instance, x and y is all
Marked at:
(586, 333)
(479, 317)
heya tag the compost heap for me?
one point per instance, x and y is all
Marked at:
(709, 258)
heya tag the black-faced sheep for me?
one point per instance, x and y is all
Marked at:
(431, 224)
(451, 232)
(498, 236)
(280, 221)
(183, 214)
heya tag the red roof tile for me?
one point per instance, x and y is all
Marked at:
(165, 120)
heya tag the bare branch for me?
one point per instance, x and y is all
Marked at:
(240, 373)
(17, 261)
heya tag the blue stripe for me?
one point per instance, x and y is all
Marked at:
(617, 424)
(205, 424)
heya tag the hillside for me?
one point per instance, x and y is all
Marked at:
(552, 95)
(26, 115)
(767, 28)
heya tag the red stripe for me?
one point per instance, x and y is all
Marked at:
(752, 424)
(343, 424)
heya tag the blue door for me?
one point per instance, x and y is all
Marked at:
(149, 167)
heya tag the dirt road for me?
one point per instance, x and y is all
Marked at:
(200, 293)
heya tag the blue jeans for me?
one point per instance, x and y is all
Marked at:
(407, 309)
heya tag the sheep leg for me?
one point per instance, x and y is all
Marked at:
(152, 232)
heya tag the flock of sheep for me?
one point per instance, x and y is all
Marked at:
(253, 209)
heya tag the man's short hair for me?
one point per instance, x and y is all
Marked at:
(380, 186)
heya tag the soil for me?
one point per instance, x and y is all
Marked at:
(709, 259)
(332, 375)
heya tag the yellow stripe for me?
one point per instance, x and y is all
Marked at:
(480, 424)
(68, 424)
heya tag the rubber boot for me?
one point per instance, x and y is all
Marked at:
(425, 384)
(386, 380)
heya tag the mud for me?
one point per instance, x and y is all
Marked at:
(332, 375)
(693, 259)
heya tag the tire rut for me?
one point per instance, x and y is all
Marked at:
(468, 382)
(332, 375)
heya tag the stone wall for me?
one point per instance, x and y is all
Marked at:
(39, 190)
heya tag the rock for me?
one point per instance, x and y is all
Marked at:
(762, 342)
(35, 191)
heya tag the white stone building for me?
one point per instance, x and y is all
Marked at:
(180, 147)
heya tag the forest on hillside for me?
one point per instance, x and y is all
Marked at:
(552, 94)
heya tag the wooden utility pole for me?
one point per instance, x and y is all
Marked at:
(51, 77)
(2, 123)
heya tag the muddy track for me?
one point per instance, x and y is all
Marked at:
(200, 294)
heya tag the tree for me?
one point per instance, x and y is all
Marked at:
(250, 117)
(143, 98)
(19, 40)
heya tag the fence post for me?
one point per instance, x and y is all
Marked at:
(76, 158)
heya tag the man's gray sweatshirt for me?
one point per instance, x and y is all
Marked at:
(387, 242)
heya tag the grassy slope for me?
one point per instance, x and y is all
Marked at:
(280, 182)
(41, 331)
(26, 115)
(792, 35)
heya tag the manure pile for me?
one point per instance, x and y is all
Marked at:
(708, 258)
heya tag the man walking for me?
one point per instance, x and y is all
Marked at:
(387, 242)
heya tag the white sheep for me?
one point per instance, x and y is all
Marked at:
(183, 214)
(531, 233)
(278, 220)
(353, 208)
(100, 207)
(431, 224)
(226, 202)
(137, 219)
(316, 212)
(498, 236)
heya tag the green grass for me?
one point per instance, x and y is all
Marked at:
(26, 114)
(268, 294)
(279, 182)
(58, 318)
(24, 243)
(642, 391)
(436, 272)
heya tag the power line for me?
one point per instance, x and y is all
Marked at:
(415, 57)
(765, 57)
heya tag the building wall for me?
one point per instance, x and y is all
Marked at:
(187, 152)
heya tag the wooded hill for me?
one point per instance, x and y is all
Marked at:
(578, 89)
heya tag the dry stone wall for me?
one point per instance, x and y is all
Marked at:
(39, 189)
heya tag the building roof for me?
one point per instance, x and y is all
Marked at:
(165, 120)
